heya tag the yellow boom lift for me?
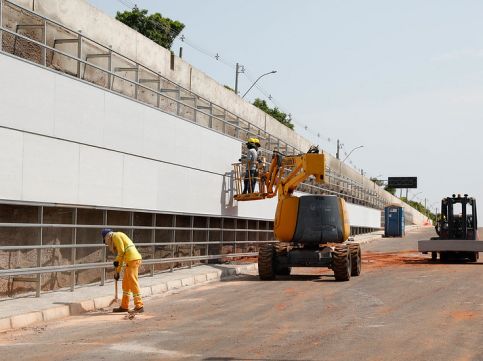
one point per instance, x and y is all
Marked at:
(312, 230)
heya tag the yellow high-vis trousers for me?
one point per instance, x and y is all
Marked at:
(130, 285)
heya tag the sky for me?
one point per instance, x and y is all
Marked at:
(402, 78)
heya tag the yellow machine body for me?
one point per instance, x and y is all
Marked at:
(286, 219)
(312, 219)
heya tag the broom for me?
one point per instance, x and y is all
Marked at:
(116, 294)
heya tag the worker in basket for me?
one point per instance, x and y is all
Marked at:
(251, 166)
(126, 254)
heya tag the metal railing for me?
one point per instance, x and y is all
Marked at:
(186, 104)
(230, 238)
(229, 123)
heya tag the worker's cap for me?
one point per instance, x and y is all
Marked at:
(105, 232)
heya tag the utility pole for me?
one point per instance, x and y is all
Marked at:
(239, 69)
(338, 149)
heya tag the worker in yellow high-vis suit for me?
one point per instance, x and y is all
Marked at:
(127, 255)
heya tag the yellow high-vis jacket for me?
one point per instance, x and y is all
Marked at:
(126, 250)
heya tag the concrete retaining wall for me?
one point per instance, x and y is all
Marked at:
(74, 143)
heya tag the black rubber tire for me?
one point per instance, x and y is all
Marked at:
(356, 259)
(434, 256)
(266, 262)
(443, 257)
(281, 250)
(285, 271)
(341, 263)
(474, 257)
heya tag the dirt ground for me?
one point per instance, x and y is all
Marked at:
(402, 307)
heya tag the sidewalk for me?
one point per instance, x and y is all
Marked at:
(369, 237)
(24, 311)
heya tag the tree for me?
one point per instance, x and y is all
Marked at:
(378, 182)
(390, 190)
(420, 207)
(274, 112)
(161, 30)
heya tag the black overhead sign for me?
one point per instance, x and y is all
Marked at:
(402, 182)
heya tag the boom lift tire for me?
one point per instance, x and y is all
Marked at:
(266, 262)
(341, 263)
(281, 250)
(356, 259)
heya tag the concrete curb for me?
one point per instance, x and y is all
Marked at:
(77, 308)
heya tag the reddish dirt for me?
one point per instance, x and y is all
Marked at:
(464, 315)
(376, 260)
(370, 260)
(281, 307)
(373, 261)
(244, 260)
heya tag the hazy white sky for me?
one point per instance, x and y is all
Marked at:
(402, 78)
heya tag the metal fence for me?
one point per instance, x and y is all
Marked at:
(166, 241)
(31, 36)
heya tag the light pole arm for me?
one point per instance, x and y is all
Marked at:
(261, 76)
(347, 156)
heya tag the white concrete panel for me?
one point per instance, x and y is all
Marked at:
(264, 209)
(11, 154)
(363, 217)
(140, 183)
(78, 111)
(170, 184)
(205, 149)
(187, 190)
(123, 124)
(27, 102)
(50, 170)
(190, 139)
(208, 197)
(159, 133)
(100, 177)
(174, 140)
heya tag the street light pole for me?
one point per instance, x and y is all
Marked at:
(261, 76)
(414, 196)
(347, 156)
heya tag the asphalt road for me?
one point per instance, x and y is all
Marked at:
(402, 307)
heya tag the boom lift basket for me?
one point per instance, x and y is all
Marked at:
(259, 191)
